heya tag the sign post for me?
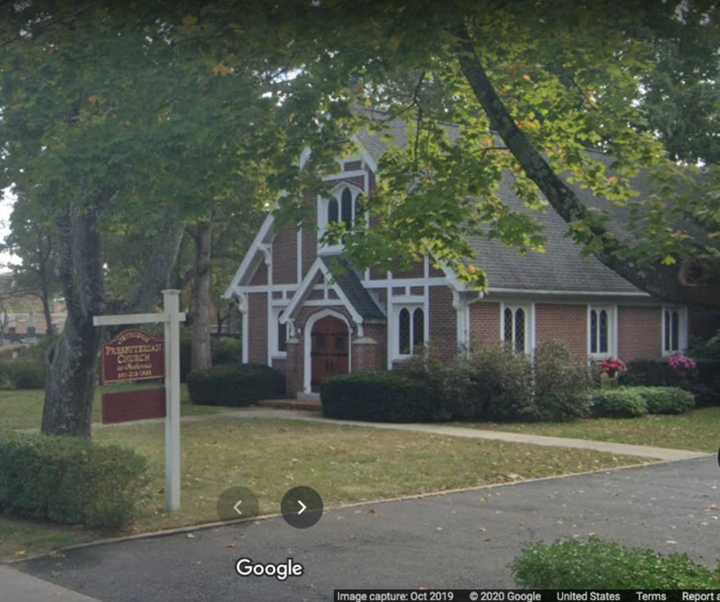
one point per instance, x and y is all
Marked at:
(171, 318)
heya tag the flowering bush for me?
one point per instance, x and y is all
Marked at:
(613, 367)
(681, 364)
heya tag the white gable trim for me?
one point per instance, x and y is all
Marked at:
(305, 285)
(255, 247)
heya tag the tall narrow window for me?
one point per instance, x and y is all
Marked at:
(333, 211)
(347, 208)
(404, 328)
(410, 330)
(418, 328)
(600, 326)
(515, 325)
(519, 330)
(671, 330)
(282, 337)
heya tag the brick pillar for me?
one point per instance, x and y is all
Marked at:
(366, 355)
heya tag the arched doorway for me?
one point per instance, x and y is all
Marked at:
(329, 343)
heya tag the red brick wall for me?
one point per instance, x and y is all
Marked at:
(260, 276)
(257, 328)
(370, 356)
(564, 323)
(416, 271)
(639, 333)
(484, 324)
(284, 254)
(443, 322)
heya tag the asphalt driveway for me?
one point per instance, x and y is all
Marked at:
(459, 540)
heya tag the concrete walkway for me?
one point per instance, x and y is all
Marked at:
(21, 587)
(625, 449)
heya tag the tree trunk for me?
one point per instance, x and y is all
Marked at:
(660, 281)
(201, 355)
(72, 360)
(49, 328)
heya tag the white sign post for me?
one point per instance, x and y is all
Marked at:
(171, 318)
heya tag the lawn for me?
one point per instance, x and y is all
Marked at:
(697, 430)
(22, 409)
(344, 464)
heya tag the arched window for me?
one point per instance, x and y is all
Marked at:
(671, 330)
(418, 328)
(333, 213)
(404, 332)
(601, 331)
(515, 324)
(519, 330)
(347, 208)
(410, 329)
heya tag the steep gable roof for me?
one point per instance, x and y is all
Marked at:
(562, 268)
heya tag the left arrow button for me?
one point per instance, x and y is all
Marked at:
(236, 503)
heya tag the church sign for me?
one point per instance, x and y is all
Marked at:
(133, 356)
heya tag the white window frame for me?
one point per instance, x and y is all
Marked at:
(323, 203)
(612, 334)
(682, 329)
(529, 334)
(275, 311)
(411, 307)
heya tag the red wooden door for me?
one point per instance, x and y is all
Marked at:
(329, 354)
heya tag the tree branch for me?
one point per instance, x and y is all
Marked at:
(661, 281)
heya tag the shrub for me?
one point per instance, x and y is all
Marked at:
(450, 383)
(501, 384)
(619, 402)
(226, 350)
(666, 400)
(650, 373)
(380, 397)
(596, 564)
(70, 480)
(22, 374)
(235, 385)
(561, 384)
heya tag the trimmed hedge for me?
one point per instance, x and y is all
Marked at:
(380, 397)
(23, 374)
(70, 480)
(597, 564)
(235, 385)
(620, 402)
(666, 400)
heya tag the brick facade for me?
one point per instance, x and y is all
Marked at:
(639, 333)
(564, 323)
(284, 256)
(260, 276)
(257, 328)
(443, 322)
(484, 324)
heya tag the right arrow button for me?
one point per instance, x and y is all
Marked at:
(302, 507)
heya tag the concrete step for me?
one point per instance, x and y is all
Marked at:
(291, 404)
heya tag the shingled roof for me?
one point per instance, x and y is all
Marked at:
(349, 281)
(562, 268)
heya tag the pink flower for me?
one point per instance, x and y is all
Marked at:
(681, 364)
(613, 366)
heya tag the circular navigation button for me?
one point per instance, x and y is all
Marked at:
(302, 507)
(236, 503)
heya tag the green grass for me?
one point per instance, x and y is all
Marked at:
(345, 464)
(22, 409)
(697, 430)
